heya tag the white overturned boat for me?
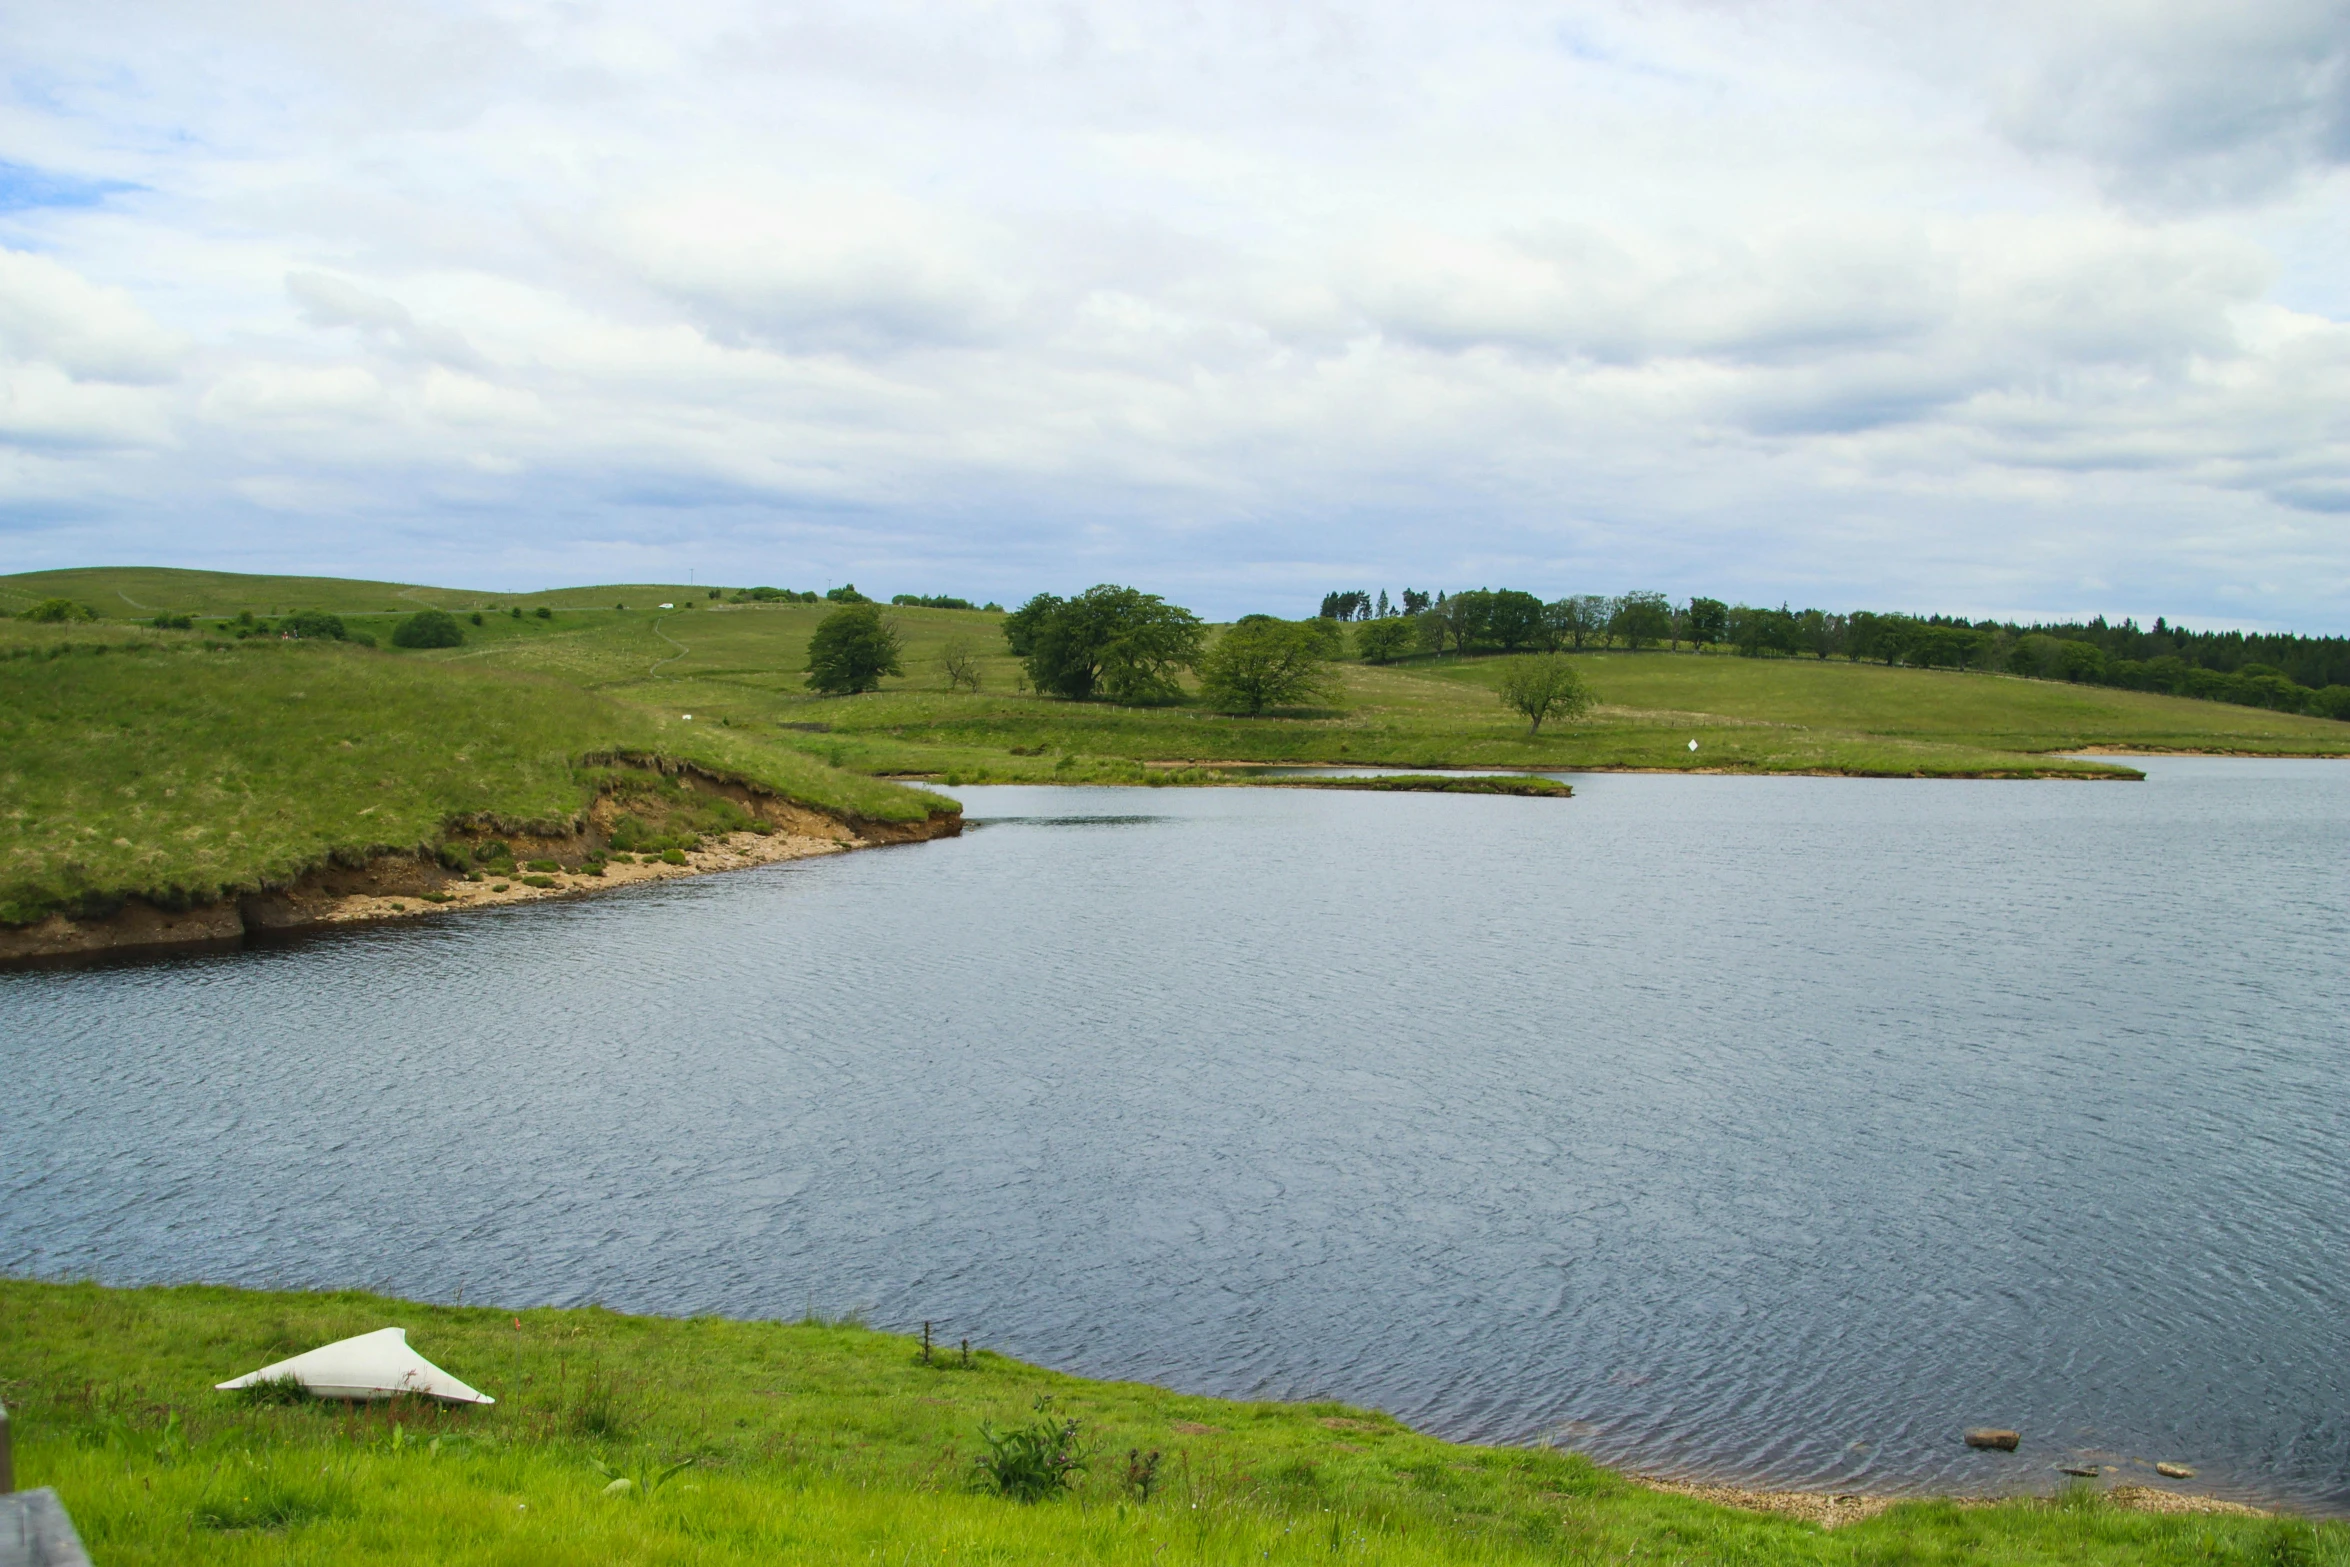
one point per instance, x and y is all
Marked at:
(372, 1366)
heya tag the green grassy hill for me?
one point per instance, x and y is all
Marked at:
(182, 763)
(135, 592)
(179, 766)
(811, 1443)
(138, 592)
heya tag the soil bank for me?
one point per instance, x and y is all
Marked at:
(421, 882)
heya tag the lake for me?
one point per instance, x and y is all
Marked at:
(1764, 1129)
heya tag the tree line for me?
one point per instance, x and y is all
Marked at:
(1124, 645)
(2293, 674)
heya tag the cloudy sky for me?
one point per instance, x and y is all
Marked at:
(1997, 308)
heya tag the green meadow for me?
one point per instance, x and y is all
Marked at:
(767, 1442)
(181, 767)
(179, 764)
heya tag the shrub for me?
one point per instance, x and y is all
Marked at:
(851, 651)
(428, 628)
(673, 856)
(1031, 1462)
(846, 593)
(545, 613)
(545, 865)
(959, 661)
(314, 623)
(538, 881)
(475, 617)
(172, 623)
(54, 612)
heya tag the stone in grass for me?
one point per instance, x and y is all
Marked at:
(35, 1532)
(1992, 1439)
(2175, 1471)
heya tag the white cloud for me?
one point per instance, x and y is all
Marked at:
(2183, 105)
(51, 315)
(1969, 310)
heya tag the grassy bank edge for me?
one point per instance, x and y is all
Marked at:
(162, 768)
(816, 1441)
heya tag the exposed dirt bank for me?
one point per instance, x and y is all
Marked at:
(467, 871)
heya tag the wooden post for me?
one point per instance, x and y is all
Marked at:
(926, 1343)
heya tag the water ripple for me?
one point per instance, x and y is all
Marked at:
(1769, 1129)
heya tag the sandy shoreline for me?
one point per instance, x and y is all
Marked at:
(736, 851)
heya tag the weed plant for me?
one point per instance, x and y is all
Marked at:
(1033, 1461)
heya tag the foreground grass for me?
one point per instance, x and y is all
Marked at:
(180, 768)
(815, 1443)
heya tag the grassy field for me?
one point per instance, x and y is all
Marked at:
(180, 764)
(1763, 715)
(119, 592)
(177, 766)
(815, 1443)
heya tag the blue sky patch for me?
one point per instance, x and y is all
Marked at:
(23, 188)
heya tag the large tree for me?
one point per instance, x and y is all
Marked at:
(1107, 641)
(1564, 623)
(1709, 620)
(852, 649)
(1544, 686)
(1513, 620)
(1639, 618)
(1385, 640)
(1262, 662)
(1460, 620)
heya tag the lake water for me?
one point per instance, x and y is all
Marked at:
(1764, 1129)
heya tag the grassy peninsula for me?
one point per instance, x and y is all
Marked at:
(181, 767)
(813, 1443)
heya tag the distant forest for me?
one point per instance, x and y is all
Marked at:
(2292, 674)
